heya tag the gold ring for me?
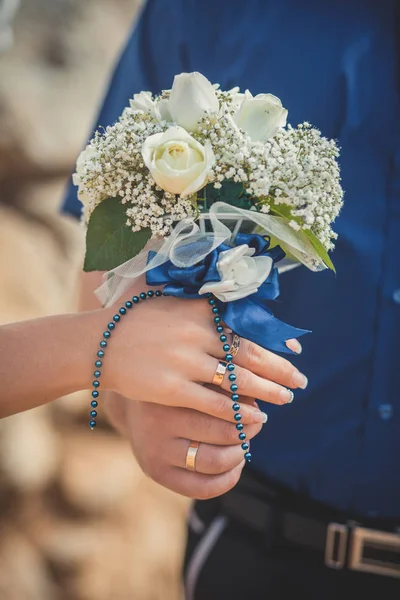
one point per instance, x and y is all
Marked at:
(234, 349)
(220, 372)
(191, 456)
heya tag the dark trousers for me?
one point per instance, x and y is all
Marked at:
(227, 559)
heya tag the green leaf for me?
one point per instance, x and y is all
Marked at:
(231, 192)
(320, 250)
(109, 241)
(283, 210)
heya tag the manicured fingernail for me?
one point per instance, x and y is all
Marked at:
(260, 417)
(287, 395)
(300, 380)
(294, 346)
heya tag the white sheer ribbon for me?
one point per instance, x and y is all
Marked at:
(189, 243)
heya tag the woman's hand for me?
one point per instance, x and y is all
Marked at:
(166, 349)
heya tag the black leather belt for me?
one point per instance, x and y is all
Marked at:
(342, 543)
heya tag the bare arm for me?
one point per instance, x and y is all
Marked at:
(43, 359)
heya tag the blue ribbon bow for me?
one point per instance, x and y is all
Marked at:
(249, 317)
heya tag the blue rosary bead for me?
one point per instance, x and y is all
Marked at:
(231, 367)
(135, 299)
(242, 436)
(107, 334)
(235, 397)
(239, 426)
(220, 329)
(128, 304)
(98, 363)
(111, 326)
(103, 344)
(97, 374)
(94, 403)
(122, 311)
(142, 296)
(215, 310)
(211, 301)
(237, 417)
(232, 377)
(236, 406)
(158, 293)
(234, 387)
(93, 413)
(96, 384)
(100, 353)
(116, 318)
(92, 424)
(245, 446)
(226, 347)
(247, 456)
(150, 294)
(223, 338)
(95, 394)
(228, 357)
(217, 319)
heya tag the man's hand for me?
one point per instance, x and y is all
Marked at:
(160, 437)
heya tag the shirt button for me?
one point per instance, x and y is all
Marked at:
(396, 296)
(385, 411)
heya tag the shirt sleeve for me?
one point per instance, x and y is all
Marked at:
(154, 54)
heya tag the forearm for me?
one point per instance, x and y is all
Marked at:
(43, 359)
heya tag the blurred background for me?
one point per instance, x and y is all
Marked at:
(78, 519)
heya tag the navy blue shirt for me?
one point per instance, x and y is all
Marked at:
(336, 64)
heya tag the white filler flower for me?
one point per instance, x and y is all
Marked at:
(241, 274)
(178, 163)
(260, 116)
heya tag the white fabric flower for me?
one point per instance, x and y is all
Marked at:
(178, 163)
(192, 97)
(260, 116)
(241, 274)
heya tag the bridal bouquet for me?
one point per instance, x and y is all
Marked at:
(209, 192)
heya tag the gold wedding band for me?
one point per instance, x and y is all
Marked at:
(191, 456)
(219, 373)
(234, 349)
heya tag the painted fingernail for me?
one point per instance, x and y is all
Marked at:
(286, 395)
(294, 346)
(300, 380)
(260, 417)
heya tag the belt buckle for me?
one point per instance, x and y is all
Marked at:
(336, 545)
(371, 551)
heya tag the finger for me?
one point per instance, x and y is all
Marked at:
(193, 425)
(295, 346)
(216, 404)
(245, 382)
(198, 485)
(264, 363)
(210, 459)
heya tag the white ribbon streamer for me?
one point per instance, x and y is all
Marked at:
(189, 243)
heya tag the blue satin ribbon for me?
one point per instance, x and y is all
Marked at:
(249, 317)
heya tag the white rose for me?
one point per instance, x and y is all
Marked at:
(81, 162)
(260, 116)
(241, 275)
(178, 163)
(192, 97)
(162, 110)
(144, 102)
(237, 98)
